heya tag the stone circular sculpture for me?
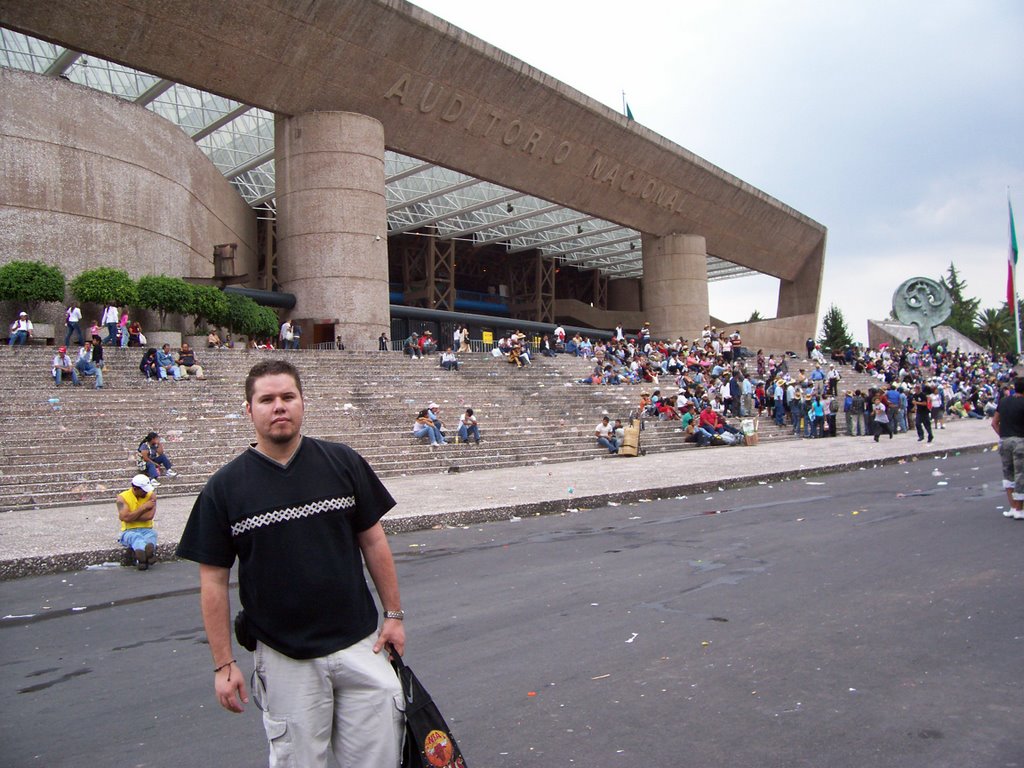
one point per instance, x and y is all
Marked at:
(922, 302)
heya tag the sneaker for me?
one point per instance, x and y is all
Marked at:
(1018, 515)
(140, 559)
(1008, 512)
(150, 554)
(171, 473)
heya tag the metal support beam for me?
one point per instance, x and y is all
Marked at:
(602, 244)
(62, 63)
(428, 274)
(600, 290)
(566, 238)
(457, 212)
(220, 122)
(409, 172)
(154, 91)
(545, 290)
(428, 196)
(248, 165)
(535, 230)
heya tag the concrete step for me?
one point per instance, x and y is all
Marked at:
(81, 446)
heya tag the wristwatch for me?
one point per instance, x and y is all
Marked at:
(400, 615)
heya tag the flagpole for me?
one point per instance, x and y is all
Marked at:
(1012, 261)
(624, 110)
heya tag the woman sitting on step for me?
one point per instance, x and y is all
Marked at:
(424, 427)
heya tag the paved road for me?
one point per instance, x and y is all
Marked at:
(871, 618)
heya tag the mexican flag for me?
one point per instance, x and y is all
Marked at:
(1011, 269)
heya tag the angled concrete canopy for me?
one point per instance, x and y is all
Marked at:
(446, 97)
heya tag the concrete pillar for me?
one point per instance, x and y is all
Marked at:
(675, 285)
(800, 296)
(332, 222)
(799, 299)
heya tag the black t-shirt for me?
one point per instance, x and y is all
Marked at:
(1011, 416)
(922, 407)
(293, 529)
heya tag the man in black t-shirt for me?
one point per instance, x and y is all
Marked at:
(1008, 422)
(301, 515)
(922, 412)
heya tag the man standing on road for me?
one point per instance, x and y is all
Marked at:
(922, 412)
(1008, 423)
(301, 515)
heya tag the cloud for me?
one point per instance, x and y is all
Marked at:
(896, 125)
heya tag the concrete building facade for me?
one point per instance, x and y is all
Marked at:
(90, 180)
(347, 79)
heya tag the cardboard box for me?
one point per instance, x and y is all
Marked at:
(750, 439)
(630, 441)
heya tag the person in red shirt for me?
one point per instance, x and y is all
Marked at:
(713, 422)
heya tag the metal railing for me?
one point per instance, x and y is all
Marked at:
(478, 346)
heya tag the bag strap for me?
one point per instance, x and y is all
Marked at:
(396, 660)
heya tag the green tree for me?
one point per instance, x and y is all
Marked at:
(164, 294)
(248, 318)
(834, 333)
(963, 310)
(754, 316)
(208, 304)
(994, 329)
(105, 285)
(267, 322)
(31, 283)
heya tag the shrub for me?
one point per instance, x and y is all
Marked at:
(208, 305)
(165, 294)
(31, 283)
(248, 318)
(267, 324)
(105, 285)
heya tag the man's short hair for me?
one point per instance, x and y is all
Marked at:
(270, 368)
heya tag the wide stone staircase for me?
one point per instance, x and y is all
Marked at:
(68, 444)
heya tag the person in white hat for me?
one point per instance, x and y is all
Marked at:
(434, 414)
(136, 509)
(21, 330)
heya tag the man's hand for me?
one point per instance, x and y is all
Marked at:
(393, 631)
(230, 686)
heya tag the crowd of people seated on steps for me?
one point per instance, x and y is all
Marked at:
(162, 364)
(418, 345)
(916, 386)
(428, 424)
(514, 348)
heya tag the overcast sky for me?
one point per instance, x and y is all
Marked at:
(897, 125)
